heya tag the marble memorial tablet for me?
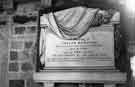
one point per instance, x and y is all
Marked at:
(95, 49)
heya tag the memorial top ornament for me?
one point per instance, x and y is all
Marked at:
(75, 22)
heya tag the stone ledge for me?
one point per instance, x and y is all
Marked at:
(87, 77)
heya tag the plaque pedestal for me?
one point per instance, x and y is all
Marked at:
(108, 78)
(47, 84)
(52, 85)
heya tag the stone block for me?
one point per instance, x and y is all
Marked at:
(16, 44)
(13, 55)
(19, 30)
(25, 56)
(22, 56)
(31, 29)
(34, 56)
(4, 32)
(38, 85)
(28, 44)
(1, 36)
(13, 67)
(16, 83)
(27, 67)
(31, 83)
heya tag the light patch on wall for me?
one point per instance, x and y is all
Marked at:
(130, 5)
(132, 62)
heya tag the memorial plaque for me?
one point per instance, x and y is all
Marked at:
(95, 49)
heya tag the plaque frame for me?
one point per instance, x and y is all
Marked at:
(41, 67)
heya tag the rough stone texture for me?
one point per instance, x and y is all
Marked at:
(19, 30)
(31, 29)
(34, 53)
(13, 55)
(27, 67)
(28, 44)
(4, 33)
(16, 44)
(20, 75)
(31, 83)
(1, 36)
(3, 54)
(3, 69)
(16, 83)
(22, 56)
(13, 67)
(26, 54)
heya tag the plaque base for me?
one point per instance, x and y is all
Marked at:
(81, 77)
(95, 68)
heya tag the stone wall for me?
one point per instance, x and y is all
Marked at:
(21, 46)
(22, 54)
(3, 48)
